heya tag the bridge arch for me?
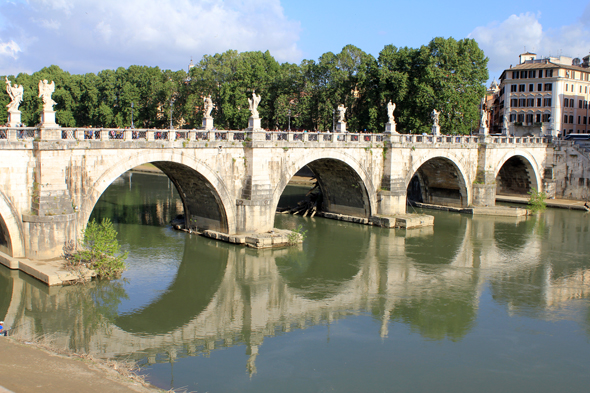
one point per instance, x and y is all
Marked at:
(346, 184)
(517, 172)
(11, 231)
(442, 180)
(196, 183)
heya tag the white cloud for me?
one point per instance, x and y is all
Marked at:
(10, 49)
(89, 35)
(503, 42)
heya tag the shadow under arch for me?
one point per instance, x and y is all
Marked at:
(346, 188)
(197, 281)
(205, 205)
(516, 174)
(11, 232)
(439, 181)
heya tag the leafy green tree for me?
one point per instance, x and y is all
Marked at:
(446, 75)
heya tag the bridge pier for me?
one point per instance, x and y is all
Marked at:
(52, 220)
(255, 207)
(392, 197)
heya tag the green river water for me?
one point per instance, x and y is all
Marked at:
(473, 304)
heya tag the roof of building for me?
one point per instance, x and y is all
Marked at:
(543, 64)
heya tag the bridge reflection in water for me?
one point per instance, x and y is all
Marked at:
(187, 295)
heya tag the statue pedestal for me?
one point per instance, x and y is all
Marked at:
(48, 119)
(436, 130)
(341, 126)
(207, 123)
(390, 128)
(254, 123)
(483, 131)
(13, 118)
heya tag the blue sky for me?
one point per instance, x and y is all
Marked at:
(89, 35)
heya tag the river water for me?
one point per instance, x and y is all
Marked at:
(482, 304)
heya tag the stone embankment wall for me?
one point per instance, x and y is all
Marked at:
(571, 172)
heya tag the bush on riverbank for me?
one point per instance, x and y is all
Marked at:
(537, 200)
(98, 250)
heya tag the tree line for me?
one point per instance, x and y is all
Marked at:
(447, 75)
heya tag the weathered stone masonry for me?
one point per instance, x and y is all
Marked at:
(231, 181)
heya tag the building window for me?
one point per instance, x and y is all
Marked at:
(532, 73)
(522, 102)
(512, 118)
(514, 74)
(566, 87)
(571, 119)
(565, 119)
(572, 103)
(513, 89)
(585, 119)
(548, 86)
(531, 87)
(579, 120)
(540, 87)
(530, 102)
(549, 73)
(521, 88)
(565, 102)
(520, 117)
(514, 103)
(529, 118)
(546, 118)
(580, 104)
(540, 73)
(538, 118)
(546, 101)
(538, 102)
(522, 74)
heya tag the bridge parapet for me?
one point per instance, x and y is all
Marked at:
(161, 135)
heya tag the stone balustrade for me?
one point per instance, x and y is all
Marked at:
(160, 135)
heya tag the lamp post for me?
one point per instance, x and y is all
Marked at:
(132, 126)
(333, 113)
(289, 127)
(171, 126)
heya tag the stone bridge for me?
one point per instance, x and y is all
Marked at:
(231, 181)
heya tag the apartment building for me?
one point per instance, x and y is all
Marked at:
(547, 96)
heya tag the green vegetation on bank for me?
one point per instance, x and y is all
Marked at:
(537, 201)
(98, 250)
(446, 74)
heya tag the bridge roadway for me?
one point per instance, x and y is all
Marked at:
(231, 181)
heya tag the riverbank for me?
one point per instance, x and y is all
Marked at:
(34, 367)
(555, 203)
